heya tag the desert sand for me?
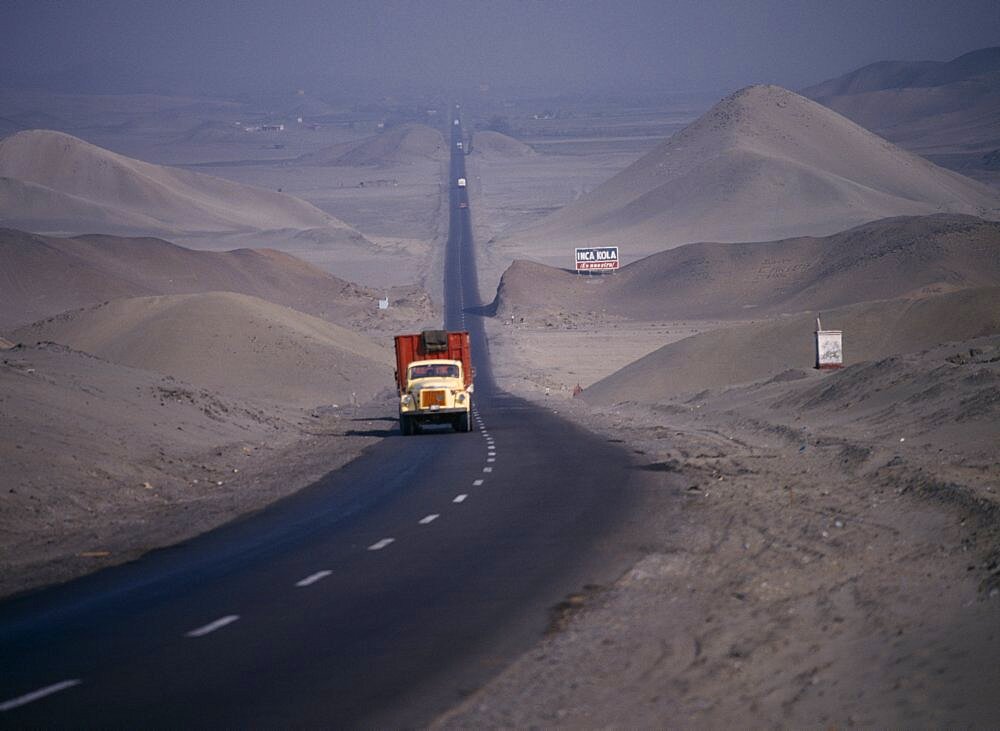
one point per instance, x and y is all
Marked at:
(216, 379)
(822, 550)
(58, 183)
(821, 547)
(103, 462)
(41, 276)
(228, 341)
(890, 258)
(399, 145)
(764, 163)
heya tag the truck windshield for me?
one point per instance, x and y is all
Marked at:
(437, 370)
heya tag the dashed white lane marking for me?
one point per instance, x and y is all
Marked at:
(37, 694)
(381, 544)
(429, 518)
(313, 578)
(212, 626)
(487, 469)
(460, 498)
(477, 483)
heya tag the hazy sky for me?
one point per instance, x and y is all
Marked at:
(240, 45)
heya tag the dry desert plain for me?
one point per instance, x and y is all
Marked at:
(822, 548)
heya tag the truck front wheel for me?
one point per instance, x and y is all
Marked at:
(463, 423)
(406, 425)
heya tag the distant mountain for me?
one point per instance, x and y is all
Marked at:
(947, 110)
(762, 164)
(51, 181)
(908, 74)
(895, 257)
(402, 144)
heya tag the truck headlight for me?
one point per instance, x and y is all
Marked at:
(460, 399)
(406, 399)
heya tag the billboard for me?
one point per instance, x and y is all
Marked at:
(597, 258)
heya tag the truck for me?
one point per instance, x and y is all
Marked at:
(434, 380)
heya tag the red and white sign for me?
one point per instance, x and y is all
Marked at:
(596, 258)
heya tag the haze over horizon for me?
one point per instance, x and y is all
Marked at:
(118, 46)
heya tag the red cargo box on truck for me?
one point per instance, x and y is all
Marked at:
(434, 380)
(443, 345)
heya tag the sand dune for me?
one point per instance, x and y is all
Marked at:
(890, 258)
(495, 145)
(764, 163)
(100, 456)
(232, 342)
(927, 106)
(765, 349)
(43, 276)
(398, 145)
(65, 184)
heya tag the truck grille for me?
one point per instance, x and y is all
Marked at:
(431, 398)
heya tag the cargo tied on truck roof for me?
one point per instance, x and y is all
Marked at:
(434, 380)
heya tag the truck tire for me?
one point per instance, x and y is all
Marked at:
(406, 425)
(463, 423)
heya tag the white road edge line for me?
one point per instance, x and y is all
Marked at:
(381, 544)
(487, 469)
(313, 578)
(212, 626)
(37, 694)
(429, 518)
(477, 483)
(460, 498)
(491, 459)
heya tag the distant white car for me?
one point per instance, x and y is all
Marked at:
(456, 122)
(458, 145)
(461, 182)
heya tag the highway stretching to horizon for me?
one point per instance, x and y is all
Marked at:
(381, 595)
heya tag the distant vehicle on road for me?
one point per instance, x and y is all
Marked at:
(463, 204)
(461, 182)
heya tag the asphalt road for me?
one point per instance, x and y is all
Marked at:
(379, 596)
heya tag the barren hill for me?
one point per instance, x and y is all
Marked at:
(904, 74)
(894, 257)
(42, 276)
(929, 107)
(764, 163)
(764, 349)
(57, 182)
(227, 341)
(402, 144)
(495, 145)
